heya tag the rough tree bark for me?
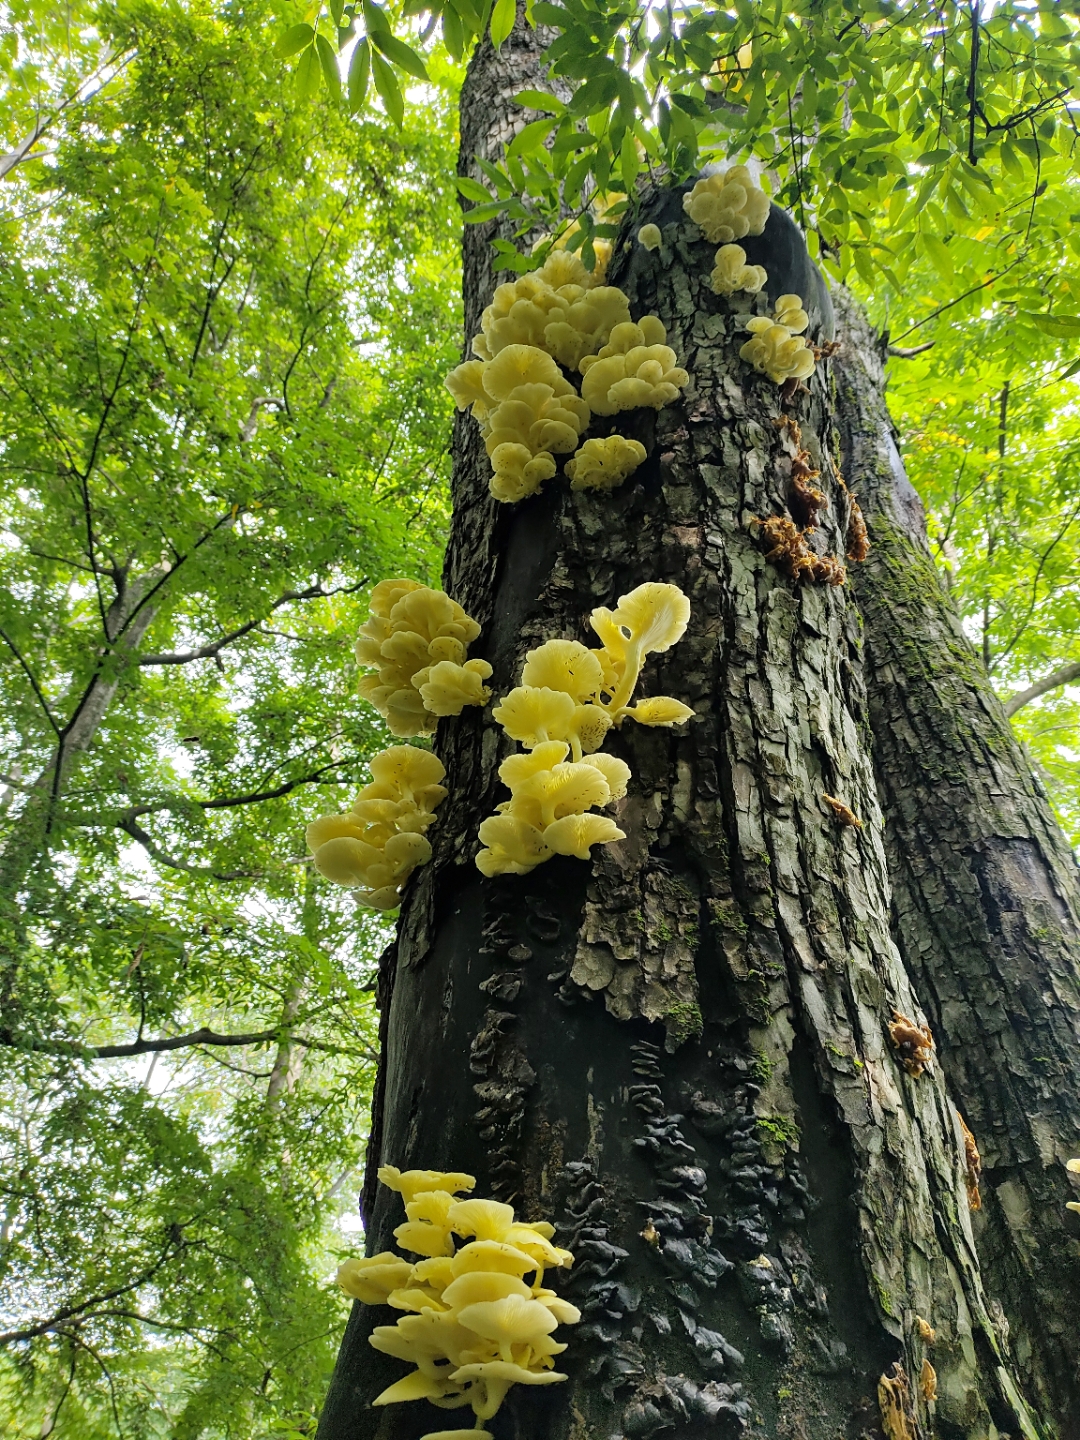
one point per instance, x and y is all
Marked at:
(986, 896)
(680, 1052)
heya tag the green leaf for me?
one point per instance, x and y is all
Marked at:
(337, 10)
(502, 20)
(295, 39)
(453, 32)
(359, 71)
(473, 190)
(540, 100)
(940, 258)
(630, 163)
(308, 73)
(375, 18)
(388, 88)
(479, 213)
(1061, 326)
(329, 61)
(1073, 369)
(402, 55)
(531, 136)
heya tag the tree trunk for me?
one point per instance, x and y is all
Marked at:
(680, 1053)
(986, 896)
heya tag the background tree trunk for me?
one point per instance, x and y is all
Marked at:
(680, 1053)
(986, 895)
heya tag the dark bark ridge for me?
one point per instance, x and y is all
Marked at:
(986, 896)
(680, 1052)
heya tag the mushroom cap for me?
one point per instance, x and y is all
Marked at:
(576, 834)
(519, 365)
(517, 768)
(446, 688)
(332, 827)
(615, 771)
(491, 1255)
(655, 614)
(371, 1279)
(514, 846)
(650, 237)
(604, 464)
(432, 1206)
(416, 1386)
(424, 1239)
(458, 1435)
(659, 710)
(564, 665)
(484, 1219)
(564, 1312)
(591, 725)
(410, 1183)
(346, 861)
(387, 593)
(533, 714)
(566, 789)
(407, 768)
(513, 1320)
(503, 1370)
(478, 1285)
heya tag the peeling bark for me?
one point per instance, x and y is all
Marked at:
(986, 897)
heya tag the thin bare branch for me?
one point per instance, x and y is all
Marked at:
(1064, 675)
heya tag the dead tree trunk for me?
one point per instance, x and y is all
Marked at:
(680, 1053)
(986, 896)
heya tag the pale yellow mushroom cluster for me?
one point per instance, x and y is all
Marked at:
(568, 700)
(728, 205)
(650, 237)
(1074, 1167)
(732, 273)
(537, 329)
(416, 640)
(604, 464)
(776, 347)
(478, 1318)
(374, 847)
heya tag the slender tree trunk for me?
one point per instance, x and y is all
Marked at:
(680, 1052)
(986, 897)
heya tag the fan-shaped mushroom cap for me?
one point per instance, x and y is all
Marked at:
(387, 593)
(446, 688)
(604, 464)
(458, 1435)
(533, 714)
(591, 725)
(424, 1239)
(789, 312)
(479, 1285)
(776, 352)
(506, 1374)
(515, 769)
(514, 846)
(659, 710)
(731, 272)
(564, 1312)
(565, 665)
(650, 237)
(615, 771)
(566, 789)
(416, 1386)
(510, 1321)
(346, 861)
(410, 1183)
(491, 1255)
(486, 1219)
(416, 1298)
(332, 827)
(407, 768)
(372, 1279)
(432, 1205)
(518, 473)
(407, 850)
(520, 365)
(466, 385)
(575, 834)
(655, 614)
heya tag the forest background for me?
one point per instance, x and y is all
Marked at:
(227, 298)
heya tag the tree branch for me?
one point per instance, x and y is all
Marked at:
(206, 652)
(1062, 676)
(194, 1038)
(32, 679)
(10, 1337)
(155, 851)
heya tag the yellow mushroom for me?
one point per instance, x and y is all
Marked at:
(650, 237)
(774, 351)
(789, 311)
(564, 665)
(732, 273)
(728, 205)
(372, 1279)
(603, 464)
(533, 714)
(512, 846)
(646, 375)
(411, 1183)
(575, 834)
(659, 710)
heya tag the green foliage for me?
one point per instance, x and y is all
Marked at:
(224, 317)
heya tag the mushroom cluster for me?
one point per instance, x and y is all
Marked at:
(732, 273)
(416, 640)
(728, 205)
(1074, 1167)
(776, 347)
(604, 464)
(528, 410)
(474, 1324)
(375, 846)
(568, 700)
